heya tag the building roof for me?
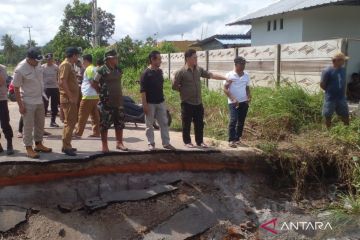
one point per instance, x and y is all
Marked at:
(226, 39)
(182, 45)
(285, 6)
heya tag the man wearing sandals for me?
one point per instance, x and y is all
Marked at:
(153, 100)
(28, 78)
(108, 78)
(187, 82)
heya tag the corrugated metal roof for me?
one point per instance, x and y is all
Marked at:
(233, 41)
(220, 37)
(284, 6)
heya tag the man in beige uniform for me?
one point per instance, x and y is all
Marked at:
(69, 94)
(28, 78)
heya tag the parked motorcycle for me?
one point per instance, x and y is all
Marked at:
(134, 113)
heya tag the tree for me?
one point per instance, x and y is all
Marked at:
(78, 22)
(63, 40)
(9, 48)
(31, 43)
(97, 53)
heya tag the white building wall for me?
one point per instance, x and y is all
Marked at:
(292, 31)
(331, 22)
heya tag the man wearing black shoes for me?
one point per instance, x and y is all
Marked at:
(4, 116)
(51, 85)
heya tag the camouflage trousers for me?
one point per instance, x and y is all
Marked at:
(111, 116)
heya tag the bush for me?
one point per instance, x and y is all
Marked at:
(348, 134)
(97, 53)
(286, 109)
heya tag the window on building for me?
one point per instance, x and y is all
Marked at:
(269, 26)
(275, 25)
(281, 23)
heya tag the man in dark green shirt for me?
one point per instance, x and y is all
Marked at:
(187, 82)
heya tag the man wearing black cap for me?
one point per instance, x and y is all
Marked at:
(69, 95)
(4, 112)
(51, 85)
(238, 91)
(28, 78)
(108, 78)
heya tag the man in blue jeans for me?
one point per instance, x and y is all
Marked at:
(238, 91)
(333, 82)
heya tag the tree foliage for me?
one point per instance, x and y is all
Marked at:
(63, 40)
(10, 48)
(78, 22)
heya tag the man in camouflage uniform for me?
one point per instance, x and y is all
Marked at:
(111, 109)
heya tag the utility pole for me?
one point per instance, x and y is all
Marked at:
(95, 24)
(29, 28)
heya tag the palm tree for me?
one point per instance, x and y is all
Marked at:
(9, 47)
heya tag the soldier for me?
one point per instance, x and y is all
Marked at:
(108, 78)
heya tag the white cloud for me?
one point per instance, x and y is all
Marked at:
(139, 19)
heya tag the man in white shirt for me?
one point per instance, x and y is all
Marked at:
(28, 78)
(238, 91)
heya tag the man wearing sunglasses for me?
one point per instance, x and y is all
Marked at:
(333, 82)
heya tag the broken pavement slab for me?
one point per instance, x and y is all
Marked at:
(109, 197)
(136, 195)
(198, 217)
(11, 216)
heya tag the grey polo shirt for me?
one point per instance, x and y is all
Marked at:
(3, 89)
(50, 74)
(187, 82)
(30, 81)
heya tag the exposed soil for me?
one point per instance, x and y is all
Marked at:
(240, 203)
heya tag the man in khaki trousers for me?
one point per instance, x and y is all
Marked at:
(69, 95)
(28, 78)
(89, 100)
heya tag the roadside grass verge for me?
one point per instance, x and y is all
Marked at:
(284, 122)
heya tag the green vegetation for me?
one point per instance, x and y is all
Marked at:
(286, 124)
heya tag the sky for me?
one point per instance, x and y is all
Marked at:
(162, 19)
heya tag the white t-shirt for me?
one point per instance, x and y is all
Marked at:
(238, 86)
(30, 81)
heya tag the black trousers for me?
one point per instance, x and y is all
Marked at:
(5, 120)
(21, 125)
(53, 94)
(192, 113)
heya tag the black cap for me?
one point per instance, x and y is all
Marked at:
(70, 51)
(49, 56)
(240, 60)
(34, 53)
(110, 54)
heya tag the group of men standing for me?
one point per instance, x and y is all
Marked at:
(35, 85)
(102, 99)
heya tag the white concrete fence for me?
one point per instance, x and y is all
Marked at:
(300, 63)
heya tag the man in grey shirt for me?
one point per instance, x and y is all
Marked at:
(4, 113)
(51, 85)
